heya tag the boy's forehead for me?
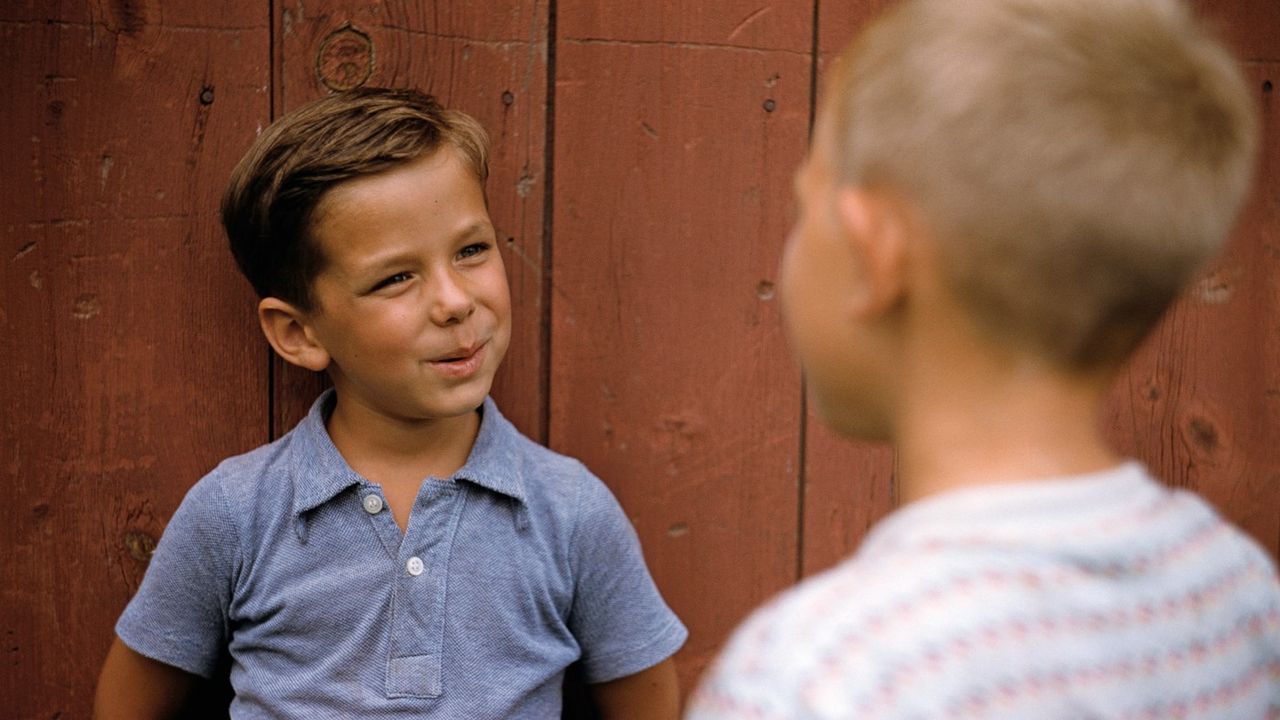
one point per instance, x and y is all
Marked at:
(341, 197)
(441, 183)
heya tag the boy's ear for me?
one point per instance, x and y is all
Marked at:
(288, 331)
(876, 227)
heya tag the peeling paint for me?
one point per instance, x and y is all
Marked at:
(1214, 293)
(104, 170)
(1217, 288)
(140, 545)
(86, 306)
(524, 185)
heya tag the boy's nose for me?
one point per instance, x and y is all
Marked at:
(452, 302)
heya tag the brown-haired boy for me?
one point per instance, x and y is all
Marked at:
(403, 552)
(1001, 199)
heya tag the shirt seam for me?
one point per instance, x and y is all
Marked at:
(237, 561)
(571, 555)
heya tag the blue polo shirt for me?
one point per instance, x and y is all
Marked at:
(290, 561)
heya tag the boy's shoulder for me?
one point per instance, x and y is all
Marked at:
(522, 455)
(952, 596)
(548, 482)
(257, 475)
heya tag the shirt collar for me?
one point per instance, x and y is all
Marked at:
(494, 460)
(320, 472)
(1007, 510)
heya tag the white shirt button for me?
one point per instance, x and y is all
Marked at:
(414, 566)
(372, 504)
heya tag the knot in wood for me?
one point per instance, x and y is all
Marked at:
(345, 59)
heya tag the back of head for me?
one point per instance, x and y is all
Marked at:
(1078, 159)
(269, 204)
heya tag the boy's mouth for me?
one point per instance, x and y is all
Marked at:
(461, 362)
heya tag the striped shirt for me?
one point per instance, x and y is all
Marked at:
(1103, 596)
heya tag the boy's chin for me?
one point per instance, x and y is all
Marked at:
(465, 401)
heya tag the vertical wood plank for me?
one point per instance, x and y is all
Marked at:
(848, 486)
(1200, 404)
(487, 60)
(130, 367)
(670, 378)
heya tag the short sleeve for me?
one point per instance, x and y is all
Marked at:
(618, 617)
(179, 614)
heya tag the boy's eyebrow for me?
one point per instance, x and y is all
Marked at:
(473, 229)
(378, 263)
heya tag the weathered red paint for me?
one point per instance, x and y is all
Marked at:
(133, 362)
(130, 366)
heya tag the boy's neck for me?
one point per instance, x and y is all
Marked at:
(392, 451)
(971, 419)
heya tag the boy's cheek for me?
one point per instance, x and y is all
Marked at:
(792, 296)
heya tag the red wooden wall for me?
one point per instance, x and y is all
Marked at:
(641, 186)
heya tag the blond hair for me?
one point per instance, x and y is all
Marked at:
(1079, 159)
(270, 201)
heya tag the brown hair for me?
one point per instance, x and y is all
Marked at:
(270, 202)
(1078, 160)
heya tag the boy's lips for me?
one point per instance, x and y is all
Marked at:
(460, 362)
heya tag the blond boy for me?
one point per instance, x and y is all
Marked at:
(1001, 199)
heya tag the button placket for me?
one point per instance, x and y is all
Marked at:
(417, 609)
(379, 513)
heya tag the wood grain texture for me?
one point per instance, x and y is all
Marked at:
(669, 375)
(130, 365)
(1200, 404)
(747, 24)
(849, 487)
(489, 61)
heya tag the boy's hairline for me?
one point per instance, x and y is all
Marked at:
(306, 230)
(280, 187)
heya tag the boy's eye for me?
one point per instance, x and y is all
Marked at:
(390, 280)
(472, 250)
